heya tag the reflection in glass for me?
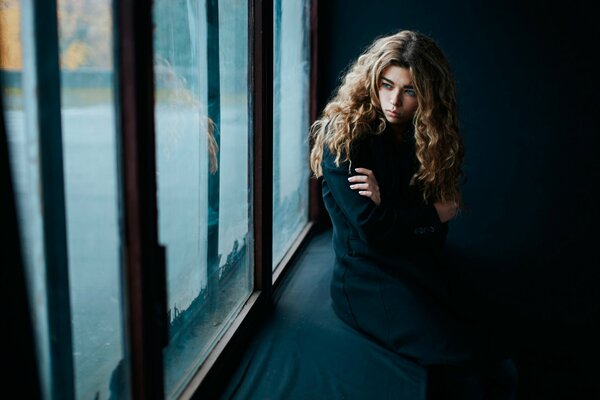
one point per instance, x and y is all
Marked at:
(202, 137)
(290, 122)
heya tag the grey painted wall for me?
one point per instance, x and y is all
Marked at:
(527, 88)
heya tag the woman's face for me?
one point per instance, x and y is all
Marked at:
(397, 96)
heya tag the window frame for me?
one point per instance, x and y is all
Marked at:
(143, 258)
(213, 373)
(41, 83)
(20, 356)
(144, 275)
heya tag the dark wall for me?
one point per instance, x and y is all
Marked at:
(526, 248)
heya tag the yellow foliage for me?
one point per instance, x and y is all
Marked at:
(75, 55)
(93, 48)
(10, 41)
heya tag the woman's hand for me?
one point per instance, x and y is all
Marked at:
(446, 210)
(366, 184)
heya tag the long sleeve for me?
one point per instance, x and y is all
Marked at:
(374, 224)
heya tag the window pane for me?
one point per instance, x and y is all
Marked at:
(90, 173)
(17, 72)
(202, 137)
(89, 152)
(291, 70)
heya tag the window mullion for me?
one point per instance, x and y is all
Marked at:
(144, 259)
(315, 203)
(44, 89)
(214, 113)
(261, 44)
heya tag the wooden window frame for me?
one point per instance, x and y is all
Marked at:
(214, 373)
(144, 275)
(143, 258)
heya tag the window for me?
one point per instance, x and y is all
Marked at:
(91, 192)
(19, 107)
(291, 68)
(96, 210)
(202, 153)
(78, 301)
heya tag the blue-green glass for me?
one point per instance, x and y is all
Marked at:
(197, 143)
(89, 151)
(92, 197)
(17, 68)
(291, 70)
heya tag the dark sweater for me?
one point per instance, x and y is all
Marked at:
(390, 278)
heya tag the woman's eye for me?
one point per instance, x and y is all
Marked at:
(386, 85)
(411, 92)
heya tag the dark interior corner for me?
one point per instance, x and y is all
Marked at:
(524, 252)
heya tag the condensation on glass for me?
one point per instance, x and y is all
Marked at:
(291, 70)
(202, 153)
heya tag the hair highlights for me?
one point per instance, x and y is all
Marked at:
(355, 111)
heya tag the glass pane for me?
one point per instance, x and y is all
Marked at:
(202, 137)
(18, 87)
(89, 152)
(90, 171)
(291, 71)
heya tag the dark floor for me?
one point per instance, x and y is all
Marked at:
(303, 351)
(557, 375)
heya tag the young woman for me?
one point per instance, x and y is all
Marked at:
(388, 149)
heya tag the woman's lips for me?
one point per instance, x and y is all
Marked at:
(393, 114)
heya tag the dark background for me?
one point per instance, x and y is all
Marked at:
(527, 247)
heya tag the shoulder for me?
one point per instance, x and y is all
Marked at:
(360, 150)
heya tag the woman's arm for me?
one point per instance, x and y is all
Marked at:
(366, 185)
(375, 223)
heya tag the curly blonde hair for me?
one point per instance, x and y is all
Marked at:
(355, 111)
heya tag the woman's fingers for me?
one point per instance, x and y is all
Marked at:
(362, 181)
(373, 196)
(365, 184)
(363, 178)
(359, 178)
(364, 171)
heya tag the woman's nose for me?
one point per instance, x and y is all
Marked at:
(395, 99)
